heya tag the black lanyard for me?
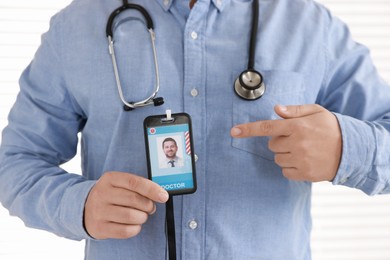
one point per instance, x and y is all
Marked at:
(170, 229)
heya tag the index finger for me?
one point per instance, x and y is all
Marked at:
(140, 185)
(278, 127)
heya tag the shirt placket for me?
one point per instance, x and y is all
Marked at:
(193, 208)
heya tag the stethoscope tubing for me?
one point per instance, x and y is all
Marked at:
(126, 6)
(255, 25)
(148, 100)
(110, 38)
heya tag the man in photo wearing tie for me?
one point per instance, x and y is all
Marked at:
(171, 159)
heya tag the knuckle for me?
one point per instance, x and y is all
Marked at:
(266, 127)
(136, 217)
(133, 182)
(128, 217)
(317, 107)
(293, 174)
(299, 126)
(303, 149)
(277, 159)
(271, 145)
(305, 160)
(298, 109)
(288, 173)
(141, 218)
(144, 218)
(132, 197)
(130, 231)
(108, 175)
(141, 203)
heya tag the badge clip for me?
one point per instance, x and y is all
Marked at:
(169, 118)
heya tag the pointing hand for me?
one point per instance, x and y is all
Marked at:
(307, 141)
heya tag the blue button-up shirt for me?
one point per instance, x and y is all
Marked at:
(244, 207)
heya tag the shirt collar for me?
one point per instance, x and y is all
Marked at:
(219, 4)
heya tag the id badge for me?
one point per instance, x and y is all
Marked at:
(170, 152)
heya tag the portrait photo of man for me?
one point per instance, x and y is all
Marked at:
(170, 151)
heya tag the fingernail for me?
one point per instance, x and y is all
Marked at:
(164, 196)
(283, 108)
(236, 131)
(154, 210)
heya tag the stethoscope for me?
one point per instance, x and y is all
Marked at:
(249, 85)
(152, 99)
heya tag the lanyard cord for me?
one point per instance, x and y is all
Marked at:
(170, 229)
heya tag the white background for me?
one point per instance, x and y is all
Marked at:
(347, 224)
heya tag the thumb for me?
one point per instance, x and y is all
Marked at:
(297, 110)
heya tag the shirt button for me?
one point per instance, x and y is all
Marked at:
(196, 158)
(194, 92)
(193, 224)
(166, 2)
(194, 35)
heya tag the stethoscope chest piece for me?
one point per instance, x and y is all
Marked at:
(250, 85)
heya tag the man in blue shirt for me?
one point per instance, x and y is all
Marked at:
(325, 116)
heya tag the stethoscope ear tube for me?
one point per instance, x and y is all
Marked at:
(152, 99)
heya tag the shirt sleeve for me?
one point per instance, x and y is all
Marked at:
(360, 99)
(40, 136)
